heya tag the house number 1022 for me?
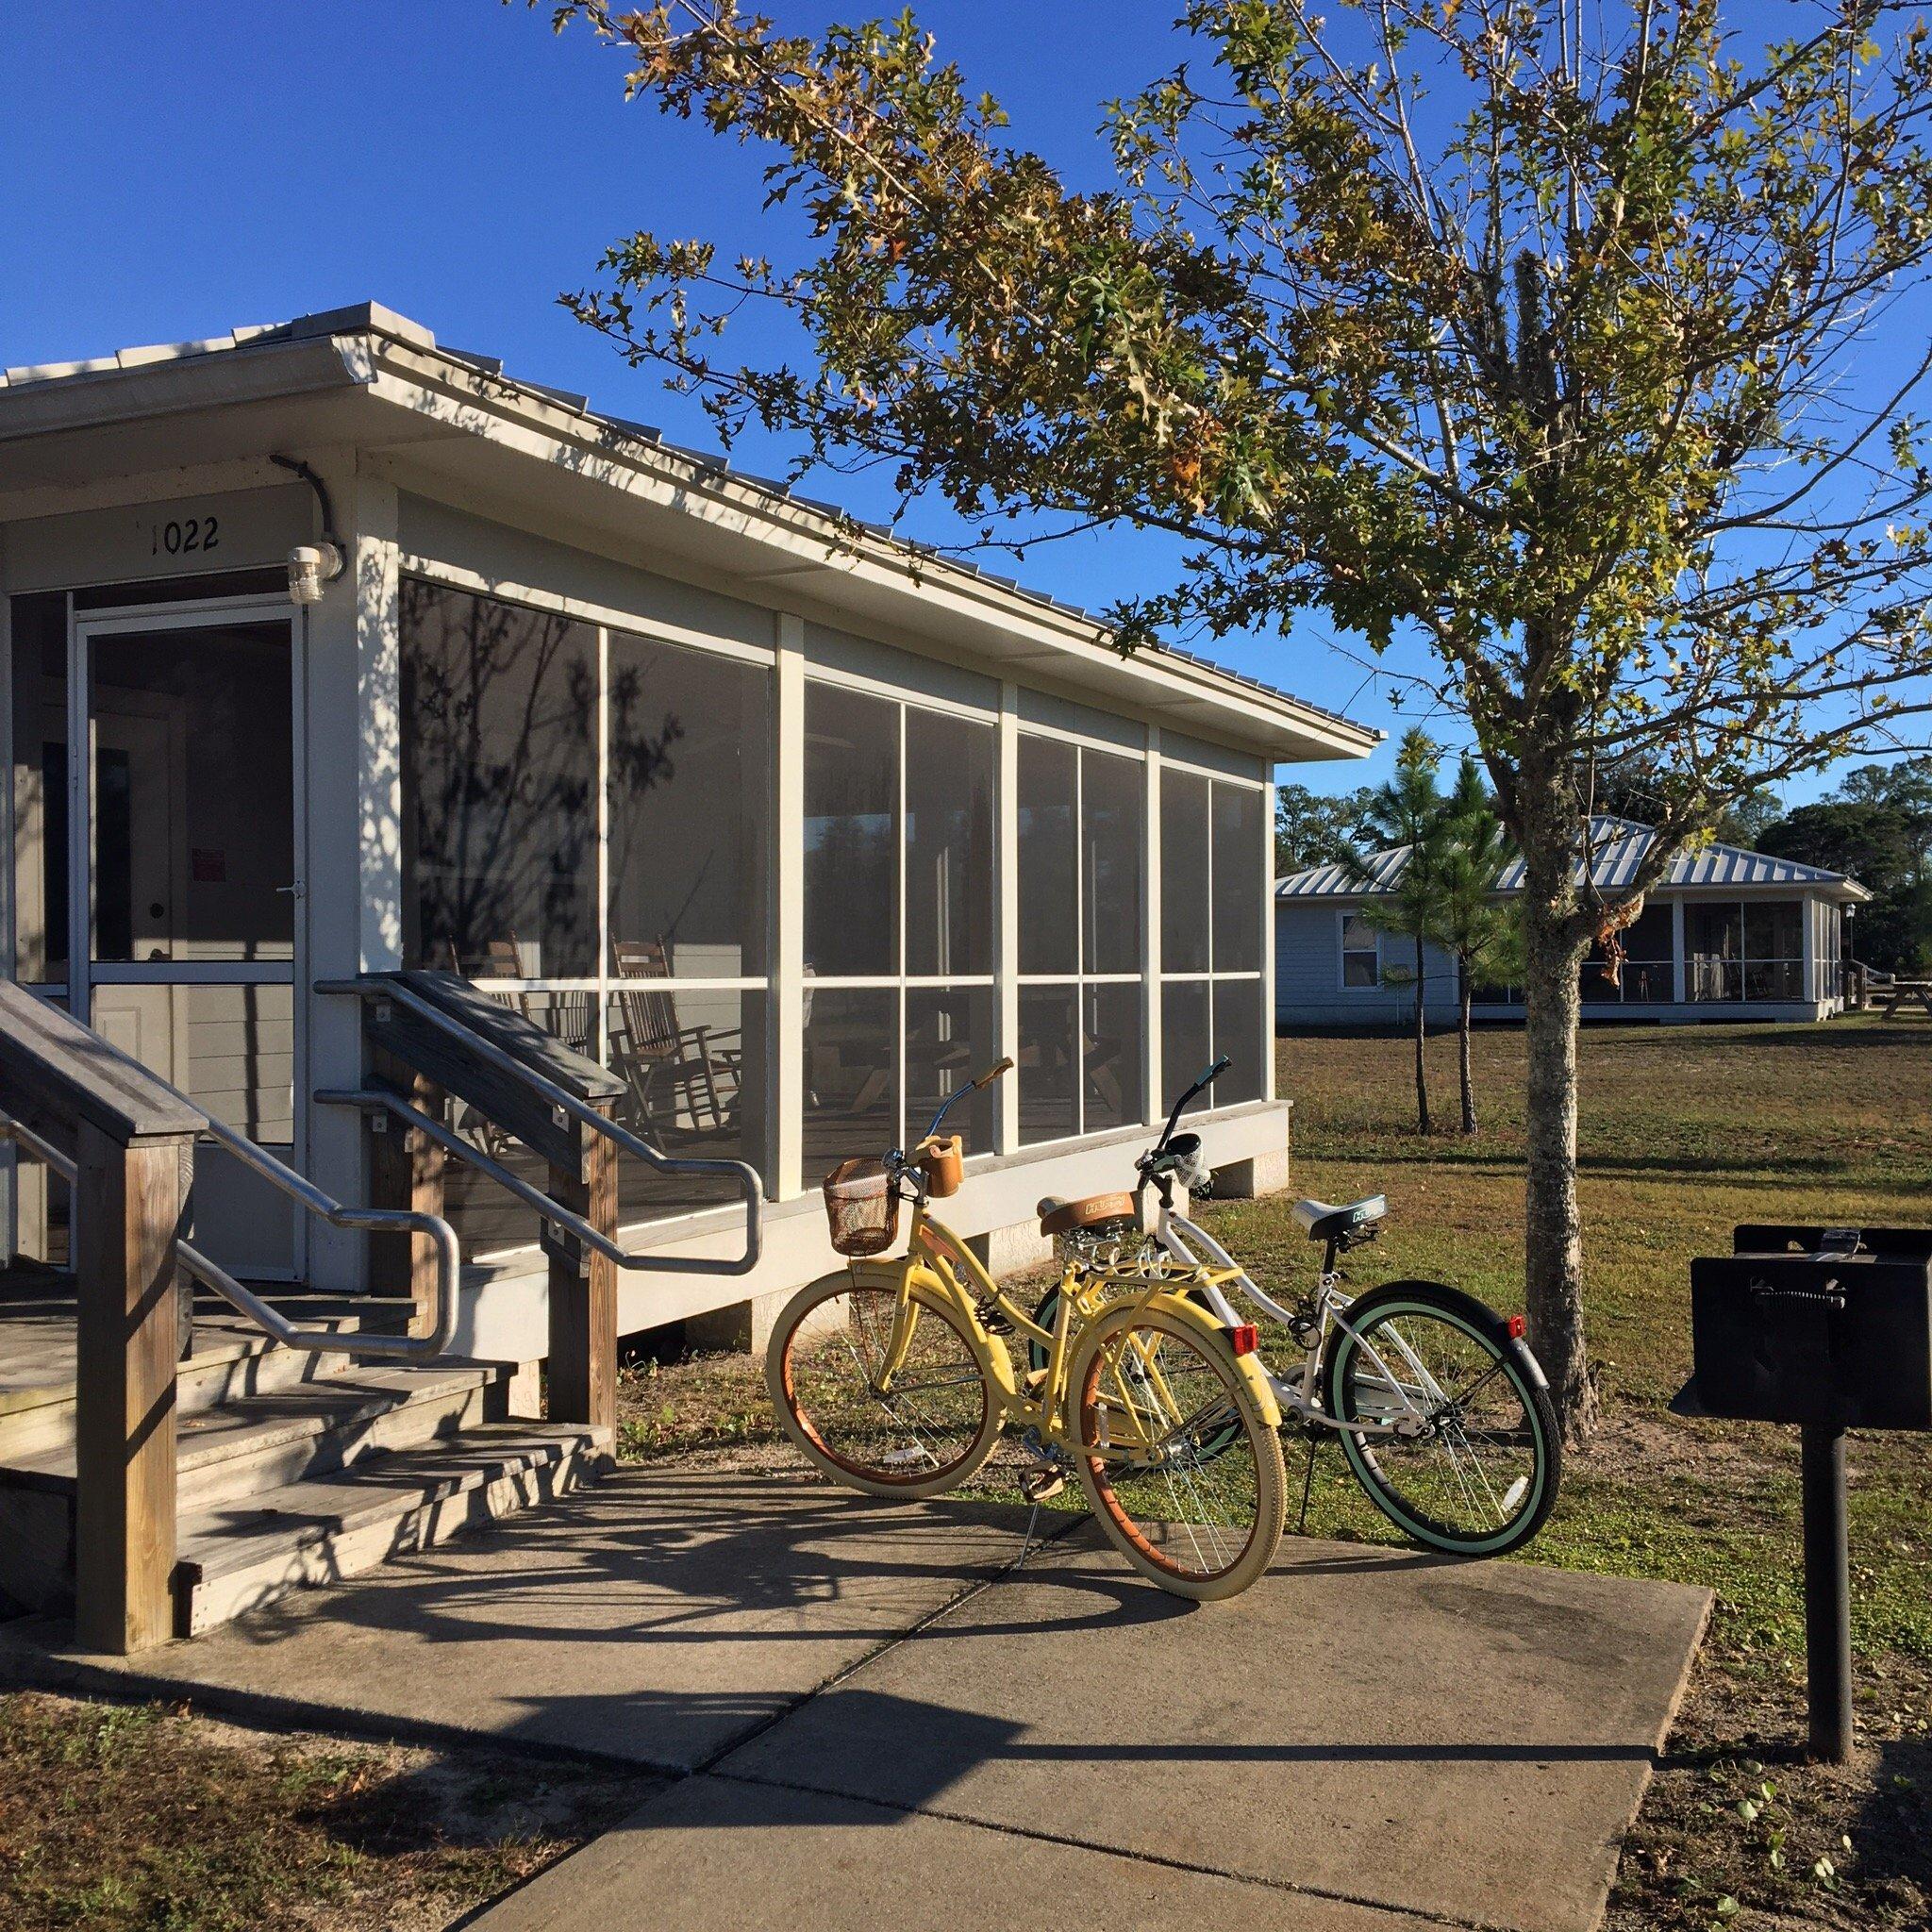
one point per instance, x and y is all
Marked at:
(180, 536)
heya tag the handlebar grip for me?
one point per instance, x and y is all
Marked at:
(1214, 1072)
(992, 1074)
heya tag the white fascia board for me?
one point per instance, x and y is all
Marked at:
(114, 393)
(783, 539)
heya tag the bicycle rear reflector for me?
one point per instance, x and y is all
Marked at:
(1517, 1326)
(1244, 1336)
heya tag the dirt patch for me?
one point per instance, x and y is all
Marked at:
(1740, 1831)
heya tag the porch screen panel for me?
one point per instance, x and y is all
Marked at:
(1114, 815)
(1184, 845)
(1083, 866)
(899, 906)
(851, 833)
(1214, 834)
(1646, 976)
(499, 779)
(950, 765)
(1048, 856)
(690, 762)
(39, 788)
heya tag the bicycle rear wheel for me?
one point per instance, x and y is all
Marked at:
(919, 1432)
(1478, 1473)
(1186, 1475)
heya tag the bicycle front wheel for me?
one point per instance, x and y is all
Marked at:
(1181, 1468)
(920, 1430)
(1471, 1457)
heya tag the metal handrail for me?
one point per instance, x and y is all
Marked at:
(750, 1187)
(265, 1316)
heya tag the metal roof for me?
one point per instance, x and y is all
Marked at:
(1617, 849)
(374, 317)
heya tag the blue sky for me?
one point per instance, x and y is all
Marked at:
(176, 167)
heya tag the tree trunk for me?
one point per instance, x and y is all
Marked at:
(1421, 1076)
(1462, 1067)
(1552, 1235)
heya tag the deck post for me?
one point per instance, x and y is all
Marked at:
(583, 1292)
(407, 1170)
(129, 1207)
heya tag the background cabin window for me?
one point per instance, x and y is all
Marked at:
(1361, 956)
(1083, 862)
(899, 1007)
(1213, 840)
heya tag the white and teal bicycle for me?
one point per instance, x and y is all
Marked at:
(1442, 1410)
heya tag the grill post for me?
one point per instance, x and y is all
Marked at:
(1828, 1594)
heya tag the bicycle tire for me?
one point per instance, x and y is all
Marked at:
(1409, 1485)
(852, 1434)
(1240, 1490)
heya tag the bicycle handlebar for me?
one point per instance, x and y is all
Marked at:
(1206, 1080)
(959, 1093)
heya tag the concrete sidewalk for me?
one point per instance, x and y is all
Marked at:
(887, 1726)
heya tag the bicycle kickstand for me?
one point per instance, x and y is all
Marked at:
(1301, 1527)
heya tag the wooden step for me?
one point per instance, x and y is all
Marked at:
(244, 1554)
(264, 1441)
(231, 1358)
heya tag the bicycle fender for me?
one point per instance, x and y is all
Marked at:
(1248, 1367)
(1477, 1313)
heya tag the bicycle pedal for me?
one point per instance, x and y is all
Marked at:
(1039, 1485)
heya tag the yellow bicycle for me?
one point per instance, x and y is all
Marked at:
(898, 1377)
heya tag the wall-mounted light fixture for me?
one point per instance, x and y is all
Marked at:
(313, 565)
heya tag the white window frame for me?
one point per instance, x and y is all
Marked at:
(1342, 951)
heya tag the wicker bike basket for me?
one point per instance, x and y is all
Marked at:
(862, 1205)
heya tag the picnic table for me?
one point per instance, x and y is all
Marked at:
(1888, 997)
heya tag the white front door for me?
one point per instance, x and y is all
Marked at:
(186, 895)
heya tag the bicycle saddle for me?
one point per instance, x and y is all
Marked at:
(1325, 1221)
(1063, 1217)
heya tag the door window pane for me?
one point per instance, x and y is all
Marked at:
(231, 1049)
(851, 833)
(1048, 1063)
(499, 713)
(1184, 1040)
(195, 790)
(949, 844)
(1183, 872)
(1238, 883)
(1049, 897)
(1113, 810)
(690, 762)
(1111, 1050)
(39, 787)
(949, 1044)
(1238, 1034)
(850, 1075)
